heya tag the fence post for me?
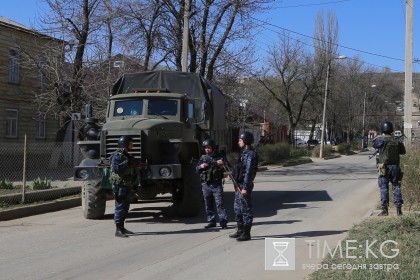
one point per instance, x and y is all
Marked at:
(24, 171)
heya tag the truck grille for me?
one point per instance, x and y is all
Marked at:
(112, 145)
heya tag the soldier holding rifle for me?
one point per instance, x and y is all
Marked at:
(211, 170)
(243, 178)
(390, 148)
(123, 177)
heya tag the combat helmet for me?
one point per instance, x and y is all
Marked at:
(387, 127)
(124, 141)
(247, 137)
(209, 142)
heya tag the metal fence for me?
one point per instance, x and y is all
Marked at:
(37, 172)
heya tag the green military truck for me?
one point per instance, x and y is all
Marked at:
(167, 114)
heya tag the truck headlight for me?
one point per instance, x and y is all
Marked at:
(82, 174)
(165, 172)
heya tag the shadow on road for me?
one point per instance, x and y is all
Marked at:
(313, 233)
(266, 204)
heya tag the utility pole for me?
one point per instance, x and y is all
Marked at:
(408, 101)
(185, 36)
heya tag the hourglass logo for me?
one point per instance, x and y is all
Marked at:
(279, 253)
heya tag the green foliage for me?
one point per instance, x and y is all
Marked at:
(344, 149)
(403, 230)
(5, 184)
(40, 184)
(410, 184)
(328, 150)
(274, 153)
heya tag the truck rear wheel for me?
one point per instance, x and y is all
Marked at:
(93, 200)
(188, 197)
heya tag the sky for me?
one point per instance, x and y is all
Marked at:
(373, 30)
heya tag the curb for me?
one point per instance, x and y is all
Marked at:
(41, 208)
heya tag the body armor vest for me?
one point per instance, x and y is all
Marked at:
(126, 177)
(390, 152)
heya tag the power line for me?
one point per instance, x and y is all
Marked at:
(344, 47)
(310, 45)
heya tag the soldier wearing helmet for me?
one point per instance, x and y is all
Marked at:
(211, 170)
(123, 176)
(390, 148)
(243, 174)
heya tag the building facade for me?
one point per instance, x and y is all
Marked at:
(20, 84)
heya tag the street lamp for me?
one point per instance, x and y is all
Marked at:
(325, 104)
(364, 115)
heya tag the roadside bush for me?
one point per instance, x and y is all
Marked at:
(410, 183)
(274, 153)
(343, 149)
(328, 150)
(5, 184)
(40, 184)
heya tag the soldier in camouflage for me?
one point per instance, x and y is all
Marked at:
(243, 174)
(390, 148)
(211, 170)
(123, 176)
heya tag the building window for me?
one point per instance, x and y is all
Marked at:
(40, 126)
(13, 66)
(11, 123)
(42, 67)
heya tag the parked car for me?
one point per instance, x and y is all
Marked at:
(330, 142)
(310, 144)
(299, 142)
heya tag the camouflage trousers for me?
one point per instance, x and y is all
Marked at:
(243, 208)
(392, 175)
(122, 202)
(213, 200)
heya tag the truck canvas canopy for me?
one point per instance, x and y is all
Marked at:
(191, 84)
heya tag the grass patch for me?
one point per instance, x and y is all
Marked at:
(404, 230)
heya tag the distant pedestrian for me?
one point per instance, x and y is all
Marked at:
(390, 148)
(123, 177)
(211, 170)
(243, 175)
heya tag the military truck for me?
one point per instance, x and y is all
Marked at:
(167, 114)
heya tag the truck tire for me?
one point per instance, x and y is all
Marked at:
(93, 200)
(188, 197)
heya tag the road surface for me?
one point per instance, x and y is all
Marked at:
(314, 203)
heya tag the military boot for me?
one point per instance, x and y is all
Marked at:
(399, 211)
(119, 232)
(246, 234)
(238, 231)
(124, 230)
(384, 211)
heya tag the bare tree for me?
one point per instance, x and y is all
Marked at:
(294, 79)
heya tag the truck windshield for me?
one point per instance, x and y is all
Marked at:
(162, 107)
(128, 108)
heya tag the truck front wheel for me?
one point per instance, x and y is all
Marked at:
(93, 200)
(188, 197)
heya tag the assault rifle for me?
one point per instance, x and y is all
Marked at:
(374, 154)
(213, 162)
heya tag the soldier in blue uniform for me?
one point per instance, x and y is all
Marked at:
(390, 148)
(211, 170)
(243, 177)
(123, 176)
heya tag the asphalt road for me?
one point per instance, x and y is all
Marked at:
(314, 203)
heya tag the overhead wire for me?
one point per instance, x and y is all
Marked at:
(265, 24)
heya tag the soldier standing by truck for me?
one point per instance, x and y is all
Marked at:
(210, 168)
(243, 174)
(122, 177)
(390, 148)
